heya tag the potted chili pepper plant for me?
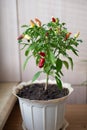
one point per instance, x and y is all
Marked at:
(42, 102)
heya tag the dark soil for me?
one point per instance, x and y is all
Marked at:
(37, 92)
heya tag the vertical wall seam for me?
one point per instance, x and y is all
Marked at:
(18, 33)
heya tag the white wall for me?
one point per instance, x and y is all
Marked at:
(9, 56)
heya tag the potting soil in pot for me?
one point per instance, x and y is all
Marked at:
(37, 92)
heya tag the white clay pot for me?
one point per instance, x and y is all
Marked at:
(43, 115)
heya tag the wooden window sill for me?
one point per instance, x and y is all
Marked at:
(7, 101)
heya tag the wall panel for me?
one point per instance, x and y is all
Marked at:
(9, 57)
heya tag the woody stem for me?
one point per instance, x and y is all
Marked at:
(47, 78)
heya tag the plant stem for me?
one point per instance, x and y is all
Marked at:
(47, 78)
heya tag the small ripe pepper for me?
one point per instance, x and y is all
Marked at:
(27, 37)
(42, 54)
(57, 20)
(77, 34)
(50, 29)
(67, 35)
(32, 23)
(41, 62)
(38, 22)
(20, 37)
(53, 19)
(47, 34)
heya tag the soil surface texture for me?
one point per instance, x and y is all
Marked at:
(37, 92)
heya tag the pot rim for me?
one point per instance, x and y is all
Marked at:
(20, 86)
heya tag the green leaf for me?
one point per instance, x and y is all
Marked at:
(79, 40)
(37, 59)
(26, 61)
(73, 50)
(53, 67)
(71, 62)
(19, 41)
(51, 56)
(61, 73)
(66, 64)
(58, 74)
(58, 64)
(26, 52)
(23, 47)
(47, 69)
(63, 23)
(24, 26)
(30, 48)
(59, 83)
(36, 75)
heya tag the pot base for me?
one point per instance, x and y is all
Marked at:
(65, 125)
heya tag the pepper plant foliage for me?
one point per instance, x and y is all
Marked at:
(48, 42)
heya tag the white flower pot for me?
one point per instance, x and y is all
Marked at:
(42, 115)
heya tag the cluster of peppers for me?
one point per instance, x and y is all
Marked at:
(42, 54)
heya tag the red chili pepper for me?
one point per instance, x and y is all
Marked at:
(41, 62)
(20, 37)
(50, 29)
(53, 19)
(47, 34)
(67, 35)
(42, 54)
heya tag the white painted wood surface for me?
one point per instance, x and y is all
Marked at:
(7, 101)
(9, 57)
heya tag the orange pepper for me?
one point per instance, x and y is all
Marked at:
(76, 35)
(67, 35)
(32, 23)
(27, 37)
(38, 22)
